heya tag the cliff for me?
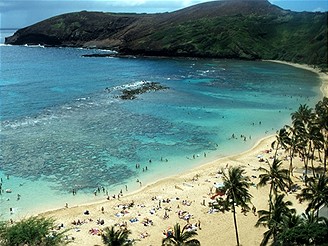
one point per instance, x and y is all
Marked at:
(239, 29)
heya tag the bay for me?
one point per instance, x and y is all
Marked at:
(64, 128)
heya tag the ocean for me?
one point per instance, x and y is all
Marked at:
(64, 128)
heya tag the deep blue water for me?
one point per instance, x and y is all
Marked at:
(60, 128)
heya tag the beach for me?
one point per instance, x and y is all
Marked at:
(178, 195)
(152, 210)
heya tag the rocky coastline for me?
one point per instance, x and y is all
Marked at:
(234, 29)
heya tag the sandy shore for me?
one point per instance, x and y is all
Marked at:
(195, 188)
(182, 195)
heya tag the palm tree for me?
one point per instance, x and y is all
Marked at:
(291, 145)
(181, 238)
(282, 140)
(112, 237)
(316, 141)
(321, 110)
(307, 230)
(274, 219)
(303, 115)
(316, 192)
(236, 186)
(32, 231)
(303, 120)
(277, 176)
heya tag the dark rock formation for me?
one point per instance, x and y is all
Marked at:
(253, 29)
(131, 93)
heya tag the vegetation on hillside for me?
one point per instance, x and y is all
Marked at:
(221, 29)
(295, 37)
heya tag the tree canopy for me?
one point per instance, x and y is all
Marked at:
(34, 231)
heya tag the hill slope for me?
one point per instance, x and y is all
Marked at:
(252, 29)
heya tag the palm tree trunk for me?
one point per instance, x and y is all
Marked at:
(235, 221)
(312, 159)
(276, 152)
(290, 170)
(270, 197)
(319, 154)
(306, 171)
(302, 154)
(290, 163)
(325, 150)
(310, 156)
(325, 160)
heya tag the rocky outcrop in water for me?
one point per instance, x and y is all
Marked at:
(130, 92)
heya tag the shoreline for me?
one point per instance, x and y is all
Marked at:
(192, 186)
(185, 187)
(208, 165)
(324, 89)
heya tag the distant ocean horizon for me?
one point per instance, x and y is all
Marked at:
(63, 126)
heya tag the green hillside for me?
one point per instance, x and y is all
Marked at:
(221, 29)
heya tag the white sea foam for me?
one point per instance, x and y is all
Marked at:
(34, 46)
(110, 51)
(130, 85)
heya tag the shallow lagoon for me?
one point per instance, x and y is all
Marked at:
(61, 130)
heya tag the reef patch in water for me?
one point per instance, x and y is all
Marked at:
(131, 92)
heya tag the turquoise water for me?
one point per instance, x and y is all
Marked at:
(61, 130)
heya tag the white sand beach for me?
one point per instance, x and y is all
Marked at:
(178, 199)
